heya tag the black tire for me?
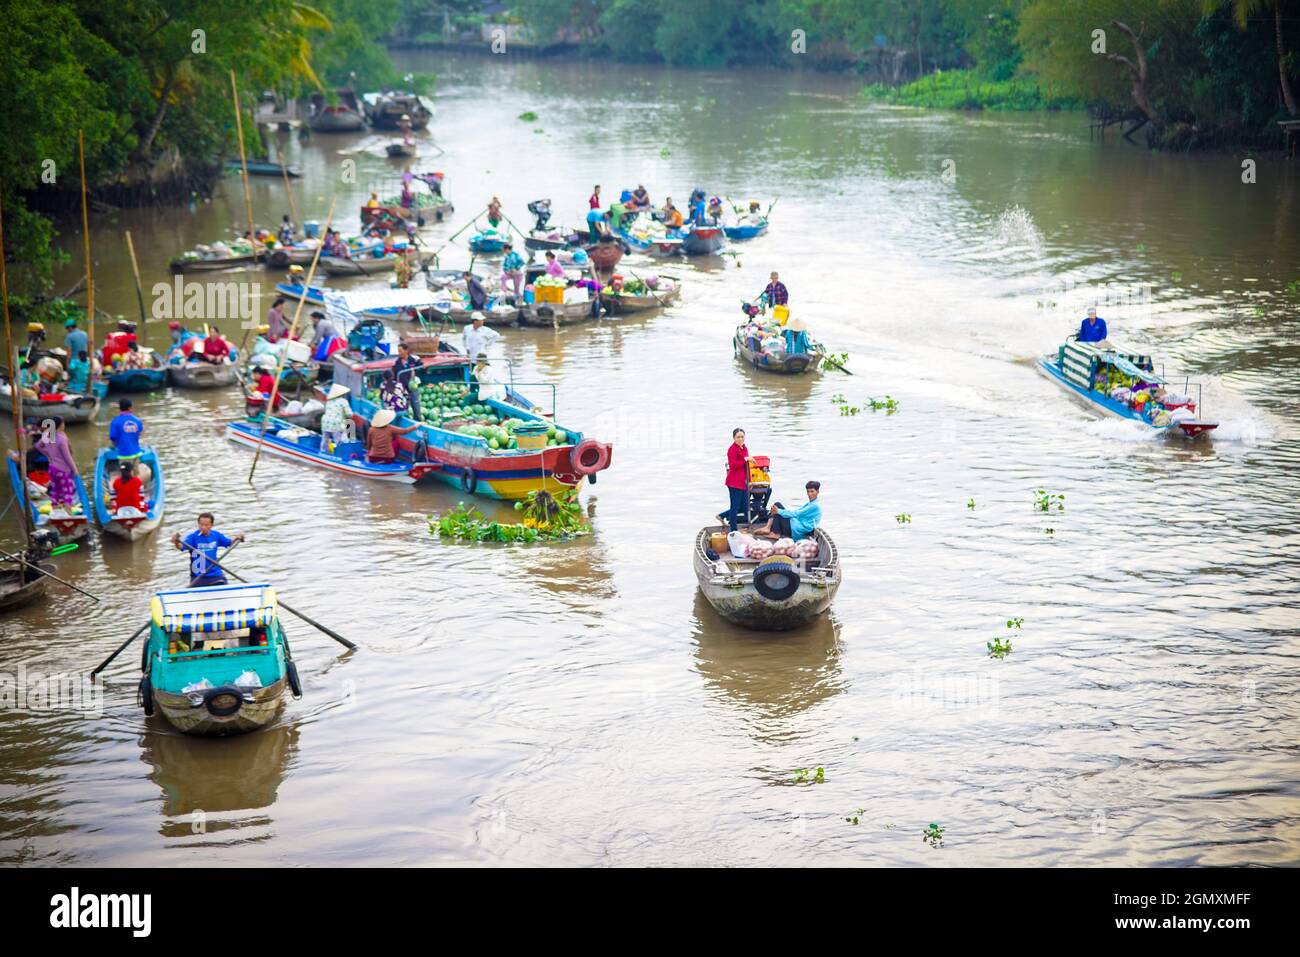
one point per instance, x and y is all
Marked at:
(468, 480)
(144, 658)
(291, 675)
(775, 578)
(224, 701)
(146, 696)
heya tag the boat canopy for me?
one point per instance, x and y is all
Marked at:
(1126, 365)
(218, 608)
(348, 306)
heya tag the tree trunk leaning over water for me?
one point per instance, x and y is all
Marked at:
(1137, 74)
(1288, 97)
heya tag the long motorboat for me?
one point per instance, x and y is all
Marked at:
(1125, 385)
(70, 406)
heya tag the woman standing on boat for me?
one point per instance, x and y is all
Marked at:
(381, 439)
(53, 444)
(737, 480)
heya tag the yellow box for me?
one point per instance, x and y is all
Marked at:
(782, 313)
(549, 293)
(530, 442)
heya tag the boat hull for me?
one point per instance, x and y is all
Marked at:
(188, 719)
(742, 233)
(796, 363)
(249, 435)
(135, 528)
(17, 589)
(1104, 403)
(605, 256)
(337, 121)
(70, 528)
(213, 265)
(702, 240)
(202, 375)
(369, 266)
(734, 596)
(137, 380)
(80, 409)
(548, 315)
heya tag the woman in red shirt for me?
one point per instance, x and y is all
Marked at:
(737, 481)
(128, 492)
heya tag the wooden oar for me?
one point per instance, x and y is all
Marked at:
(21, 561)
(315, 624)
(140, 631)
(647, 285)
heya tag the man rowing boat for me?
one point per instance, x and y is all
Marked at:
(204, 545)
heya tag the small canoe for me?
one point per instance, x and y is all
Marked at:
(263, 168)
(667, 291)
(742, 233)
(203, 375)
(69, 405)
(348, 458)
(217, 661)
(772, 594)
(69, 524)
(183, 265)
(702, 240)
(21, 586)
(363, 266)
(788, 363)
(130, 524)
(487, 243)
(139, 380)
(386, 109)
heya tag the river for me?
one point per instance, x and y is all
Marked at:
(581, 703)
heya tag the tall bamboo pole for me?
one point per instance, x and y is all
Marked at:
(293, 328)
(243, 160)
(15, 381)
(90, 279)
(135, 268)
(284, 171)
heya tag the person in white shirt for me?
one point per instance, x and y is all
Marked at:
(477, 337)
(488, 386)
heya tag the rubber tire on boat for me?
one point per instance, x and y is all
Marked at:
(582, 462)
(546, 314)
(291, 675)
(775, 578)
(213, 693)
(83, 402)
(468, 479)
(146, 696)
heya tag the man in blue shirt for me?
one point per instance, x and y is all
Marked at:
(125, 430)
(794, 523)
(203, 546)
(1092, 329)
(76, 341)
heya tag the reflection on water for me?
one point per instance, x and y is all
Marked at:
(581, 703)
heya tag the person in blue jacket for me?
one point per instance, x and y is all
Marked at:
(125, 431)
(1092, 329)
(794, 523)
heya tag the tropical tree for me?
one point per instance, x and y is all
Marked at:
(1243, 11)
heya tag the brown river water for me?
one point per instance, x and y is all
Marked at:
(581, 703)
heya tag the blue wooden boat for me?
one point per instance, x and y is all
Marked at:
(742, 233)
(139, 380)
(701, 240)
(487, 242)
(263, 168)
(1102, 376)
(70, 525)
(132, 527)
(286, 440)
(669, 245)
(315, 296)
(217, 660)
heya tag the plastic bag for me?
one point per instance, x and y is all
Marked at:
(201, 685)
(783, 546)
(248, 679)
(740, 543)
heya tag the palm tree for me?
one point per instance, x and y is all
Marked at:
(1243, 11)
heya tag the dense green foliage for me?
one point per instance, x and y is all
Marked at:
(972, 90)
(148, 82)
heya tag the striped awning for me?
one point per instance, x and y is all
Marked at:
(216, 608)
(207, 621)
(1077, 360)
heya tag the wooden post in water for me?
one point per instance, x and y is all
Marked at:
(90, 279)
(284, 171)
(293, 328)
(243, 160)
(135, 268)
(15, 383)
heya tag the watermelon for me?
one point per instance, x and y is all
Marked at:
(561, 437)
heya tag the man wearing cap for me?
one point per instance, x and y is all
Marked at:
(777, 294)
(407, 370)
(381, 439)
(794, 523)
(336, 418)
(76, 341)
(1093, 329)
(477, 337)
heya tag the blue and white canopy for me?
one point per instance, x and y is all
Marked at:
(218, 608)
(346, 308)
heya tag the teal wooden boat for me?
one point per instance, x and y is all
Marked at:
(217, 660)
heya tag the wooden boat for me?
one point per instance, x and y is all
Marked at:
(667, 291)
(69, 525)
(217, 660)
(21, 586)
(653, 240)
(1125, 385)
(774, 594)
(264, 168)
(198, 374)
(468, 462)
(702, 240)
(398, 149)
(139, 380)
(386, 108)
(547, 315)
(790, 363)
(742, 233)
(361, 266)
(299, 254)
(343, 116)
(183, 265)
(132, 527)
(285, 440)
(71, 406)
(605, 255)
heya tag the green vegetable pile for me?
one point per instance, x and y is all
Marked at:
(451, 406)
(546, 517)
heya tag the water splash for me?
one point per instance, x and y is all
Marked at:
(1015, 227)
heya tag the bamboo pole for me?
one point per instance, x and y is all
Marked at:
(243, 160)
(90, 280)
(293, 328)
(135, 268)
(284, 171)
(15, 383)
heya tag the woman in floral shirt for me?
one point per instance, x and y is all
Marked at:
(336, 417)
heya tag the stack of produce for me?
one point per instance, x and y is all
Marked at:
(452, 406)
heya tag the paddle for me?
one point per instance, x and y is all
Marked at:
(140, 631)
(21, 561)
(647, 285)
(315, 624)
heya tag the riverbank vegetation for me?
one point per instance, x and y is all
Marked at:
(148, 83)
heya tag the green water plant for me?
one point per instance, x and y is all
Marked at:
(528, 116)
(888, 405)
(546, 517)
(933, 835)
(809, 775)
(838, 361)
(856, 815)
(903, 518)
(1046, 501)
(999, 648)
(970, 503)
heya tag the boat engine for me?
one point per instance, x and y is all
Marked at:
(541, 209)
